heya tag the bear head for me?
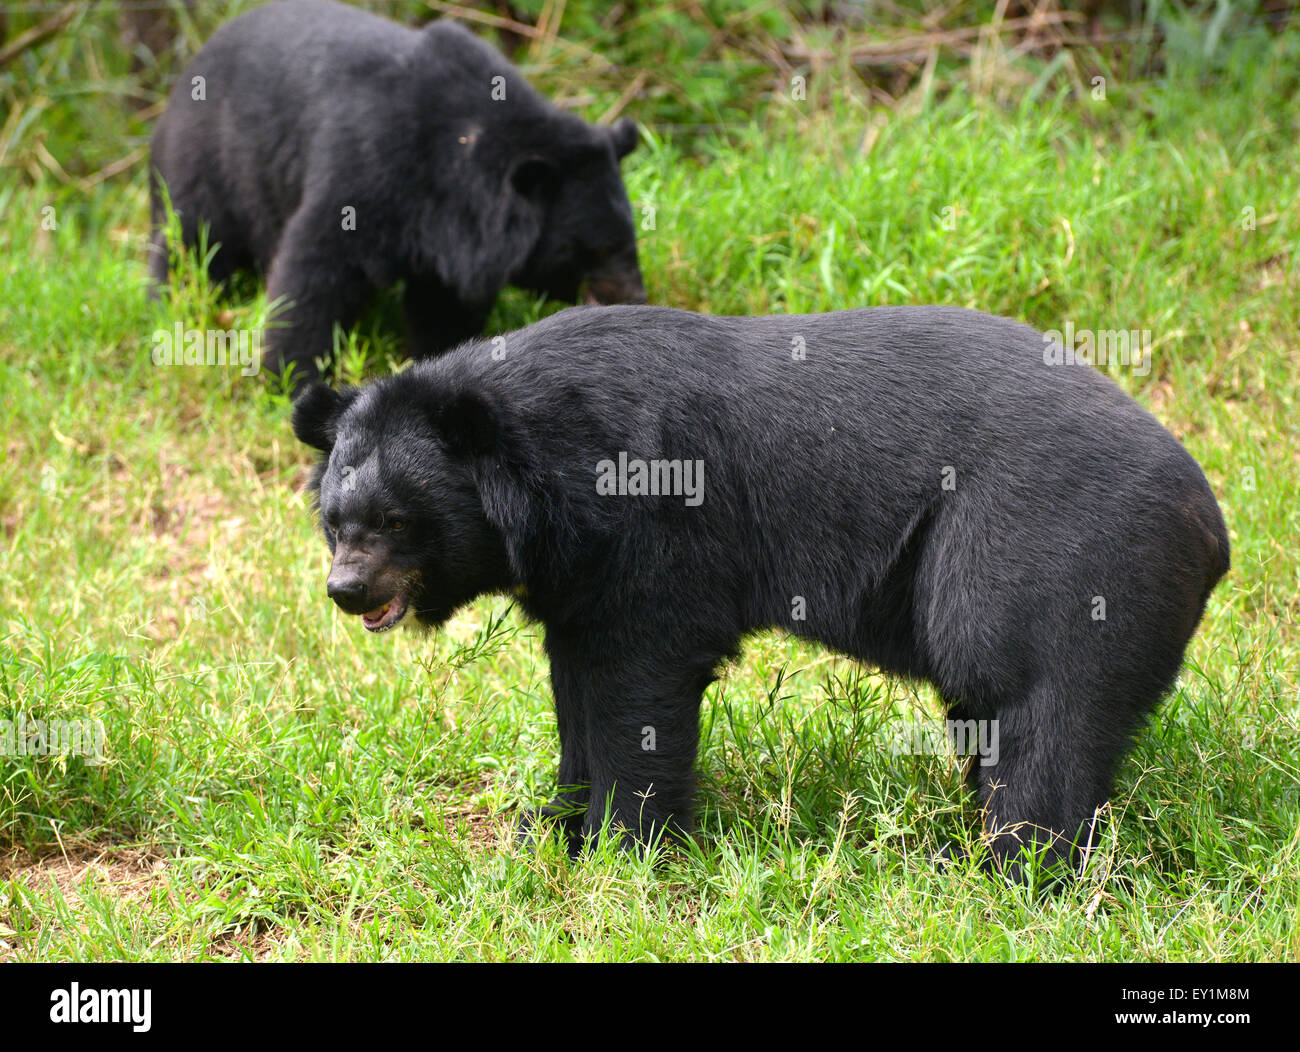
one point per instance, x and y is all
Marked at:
(399, 503)
(522, 193)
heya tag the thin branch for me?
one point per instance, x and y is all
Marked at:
(917, 47)
(38, 34)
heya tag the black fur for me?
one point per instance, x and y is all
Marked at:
(312, 107)
(824, 479)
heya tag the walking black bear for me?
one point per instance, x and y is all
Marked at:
(340, 153)
(921, 488)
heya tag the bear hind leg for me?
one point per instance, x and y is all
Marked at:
(1050, 771)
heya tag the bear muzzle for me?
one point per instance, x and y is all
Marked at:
(380, 601)
(618, 281)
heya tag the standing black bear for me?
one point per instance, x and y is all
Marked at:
(339, 153)
(916, 487)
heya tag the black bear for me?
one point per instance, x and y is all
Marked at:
(340, 153)
(922, 488)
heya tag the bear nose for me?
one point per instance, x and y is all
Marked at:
(347, 591)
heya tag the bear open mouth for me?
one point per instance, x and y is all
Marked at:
(386, 616)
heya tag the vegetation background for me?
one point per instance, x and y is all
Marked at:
(279, 785)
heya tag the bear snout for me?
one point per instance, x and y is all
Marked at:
(366, 584)
(349, 591)
(618, 282)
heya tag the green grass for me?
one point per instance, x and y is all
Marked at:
(282, 785)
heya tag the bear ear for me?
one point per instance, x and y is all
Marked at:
(316, 414)
(624, 136)
(466, 424)
(535, 178)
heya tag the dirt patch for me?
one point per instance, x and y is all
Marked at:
(1272, 273)
(129, 875)
(126, 872)
(184, 517)
(244, 944)
(1157, 396)
(177, 512)
(479, 825)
